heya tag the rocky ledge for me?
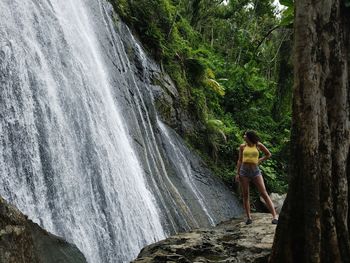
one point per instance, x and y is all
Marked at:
(22, 241)
(230, 241)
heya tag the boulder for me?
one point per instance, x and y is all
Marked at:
(22, 241)
(230, 241)
(277, 200)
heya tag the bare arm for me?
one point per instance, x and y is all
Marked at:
(267, 153)
(239, 162)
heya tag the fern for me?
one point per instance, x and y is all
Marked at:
(215, 86)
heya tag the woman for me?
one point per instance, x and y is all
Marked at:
(248, 170)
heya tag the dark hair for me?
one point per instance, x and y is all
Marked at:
(252, 136)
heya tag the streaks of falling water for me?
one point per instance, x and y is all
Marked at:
(163, 186)
(185, 167)
(66, 159)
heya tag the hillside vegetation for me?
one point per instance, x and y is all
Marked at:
(230, 61)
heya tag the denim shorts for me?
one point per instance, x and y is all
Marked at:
(249, 171)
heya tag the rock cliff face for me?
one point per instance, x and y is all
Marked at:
(21, 241)
(168, 105)
(230, 241)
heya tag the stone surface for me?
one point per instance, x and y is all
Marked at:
(230, 241)
(21, 241)
(277, 200)
(168, 105)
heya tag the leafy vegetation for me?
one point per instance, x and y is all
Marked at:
(231, 63)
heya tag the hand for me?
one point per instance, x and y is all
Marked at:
(260, 161)
(237, 178)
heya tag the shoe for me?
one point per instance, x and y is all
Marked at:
(248, 222)
(274, 221)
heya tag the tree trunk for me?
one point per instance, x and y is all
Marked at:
(314, 222)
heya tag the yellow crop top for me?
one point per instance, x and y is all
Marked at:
(250, 154)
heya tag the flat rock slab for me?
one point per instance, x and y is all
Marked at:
(230, 241)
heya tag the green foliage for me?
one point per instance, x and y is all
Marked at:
(195, 70)
(288, 3)
(224, 62)
(288, 14)
(212, 83)
(199, 103)
(250, 94)
(215, 136)
(275, 181)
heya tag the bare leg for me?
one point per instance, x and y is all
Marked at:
(245, 193)
(259, 182)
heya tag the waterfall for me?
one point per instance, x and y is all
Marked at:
(184, 165)
(82, 151)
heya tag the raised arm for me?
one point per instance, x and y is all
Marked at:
(267, 153)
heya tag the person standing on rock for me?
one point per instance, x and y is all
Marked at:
(248, 170)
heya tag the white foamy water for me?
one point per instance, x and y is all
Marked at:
(66, 159)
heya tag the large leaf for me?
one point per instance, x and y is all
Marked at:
(214, 124)
(287, 17)
(215, 86)
(216, 127)
(288, 3)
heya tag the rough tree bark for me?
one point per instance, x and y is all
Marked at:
(314, 222)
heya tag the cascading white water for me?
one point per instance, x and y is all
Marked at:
(66, 159)
(153, 151)
(185, 167)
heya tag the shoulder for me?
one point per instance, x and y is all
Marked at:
(259, 145)
(241, 147)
